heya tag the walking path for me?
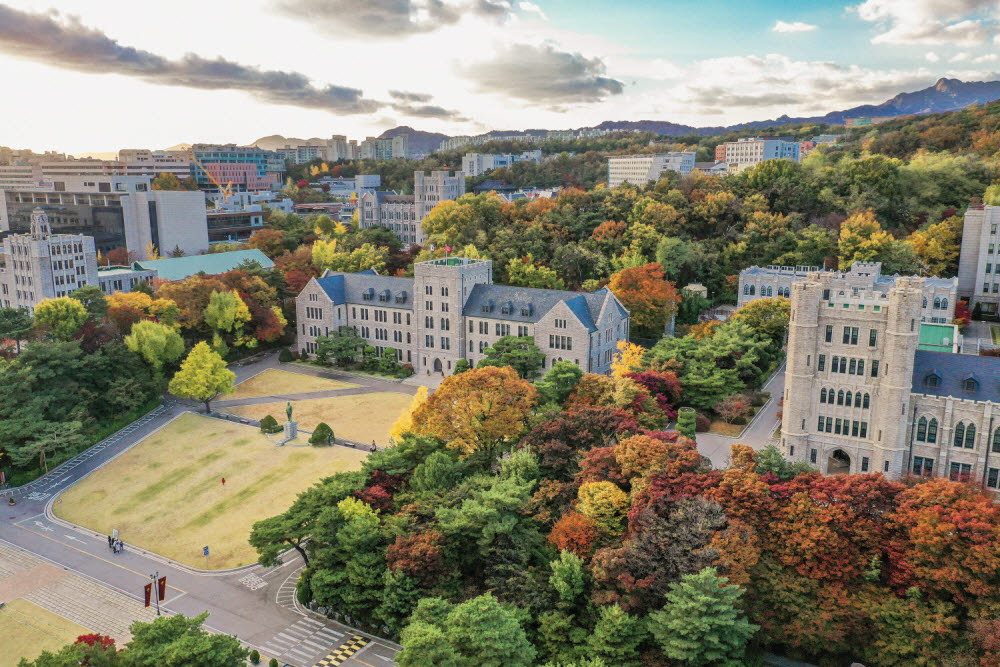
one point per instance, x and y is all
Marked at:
(241, 602)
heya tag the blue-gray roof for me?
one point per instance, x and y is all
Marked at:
(179, 268)
(352, 287)
(953, 370)
(586, 306)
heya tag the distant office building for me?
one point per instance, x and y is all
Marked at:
(302, 153)
(41, 265)
(712, 168)
(248, 168)
(133, 162)
(346, 187)
(475, 164)
(751, 151)
(979, 261)
(386, 149)
(116, 211)
(642, 169)
(403, 213)
(720, 153)
(826, 138)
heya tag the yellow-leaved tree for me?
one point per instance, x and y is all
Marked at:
(62, 316)
(405, 422)
(627, 359)
(203, 376)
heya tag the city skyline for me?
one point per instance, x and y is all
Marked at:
(232, 72)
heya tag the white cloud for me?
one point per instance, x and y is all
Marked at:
(532, 8)
(959, 57)
(797, 26)
(989, 58)
(932, 57)
(930, 21)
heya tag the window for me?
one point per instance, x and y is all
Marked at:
(857, 400)
(993, 478)
(970, 436)
(847, 336)
(428, 322)
(843, 364)
(931, 380)
(471, 328)
(923, 467)
(444, 291)
(922, 430)
(821, 363)
(932, 429)
(864, 464)
(428, 290)
(970, 384)
(861, 366)
(854, 428)
(829, 333)
(872, 337)
(854, 367)
(840, 397)
(819, 426)
(960, 472)
(812, 456)
(445, 324)
(429, 341)
(847, 399)
(835, 365)
(875, 368)
(428, 305)
(864, 430)
(836, 426)
(959, 434)
(445, 343)
(996, 441)
(822, 399)
(937, 303)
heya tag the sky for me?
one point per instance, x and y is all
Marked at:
(99, 75)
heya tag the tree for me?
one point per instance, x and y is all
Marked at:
(559, 382)
(49, 439)
(227, 312)
(686, 419)
(176, 641)
(519, 353)
(767, 317)
(15, 323)
(606, 504)
(167, 181)
(93, 301)
(732, 408)
(938, 246)
(575, 533)
(321, 435)
(627, 358)
(701, 623)
(526, 273)
(271, 242)
(862, 239)
(203, 376)
(404, 424)
(156, 343)
(61, 316)
(480, 410)
(616, 637)
(650, 300)
(342, 345)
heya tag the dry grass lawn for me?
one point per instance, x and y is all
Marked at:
(274, 382)
(722, 428)
(26, 630)
(361, 417)
(166, 493)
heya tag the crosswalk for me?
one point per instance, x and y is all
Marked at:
(304, 643)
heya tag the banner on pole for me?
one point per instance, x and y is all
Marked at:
(161, 585)
(205, 551)
(149, 593)
(115, 534)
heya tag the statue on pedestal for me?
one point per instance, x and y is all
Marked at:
(288, 410)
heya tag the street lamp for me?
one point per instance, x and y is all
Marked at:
(156, 590)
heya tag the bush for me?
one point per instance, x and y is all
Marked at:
(461, 366)
(285, 355)
(303, 589)
(322, 435)
(303, 355)
(702, 423)
(759, 398)
(270, 425)
(255, 657)
(273, 663)
(739, 421)
(407, 370)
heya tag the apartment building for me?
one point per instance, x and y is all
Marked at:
(642, 169)
(937, 307)
(386, 149)
(476, 164)
(41, 265)
(979, 261)
(248, 168)
(749, 151)
(131, 162)
(403, 213)
(862, 395)
(451, 310)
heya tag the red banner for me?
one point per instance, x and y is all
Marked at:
(162, 585)
(149, 593)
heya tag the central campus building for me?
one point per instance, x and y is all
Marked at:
(451, 310)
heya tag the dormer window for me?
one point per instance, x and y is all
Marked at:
(368, 294)
(527, 310)
(932, 379)
(970, 383)
(506, 308)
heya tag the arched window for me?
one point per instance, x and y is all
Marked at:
(867, 402)
(835, 364)
(996, 441)
(970, 436)
(752, 288)
(840, 397)
(857, 400)
(822, 399)
(925, 302)
(769, 291)
(746, 289)
(944, 303)
(847, 399)
(959, 434)
(922, 430)
(937, 303)
(932, 431)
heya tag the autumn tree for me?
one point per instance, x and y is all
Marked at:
(203, 376)
(576, 533)
(481, 410)
(271, 242)
(156, 343)
(62, 316)
(525, 272)
(627, 359)
(405, 422)
(938, 246)
(650, 299)
(606, 504)
(517, 352)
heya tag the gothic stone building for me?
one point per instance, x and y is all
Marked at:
(860, 396)
(451, 310)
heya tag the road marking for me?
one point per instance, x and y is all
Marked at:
(75, 539)
(319, 646)
(42, 526)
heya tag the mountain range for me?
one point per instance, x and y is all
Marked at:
(944, 95)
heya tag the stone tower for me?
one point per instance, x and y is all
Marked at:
(40, 228)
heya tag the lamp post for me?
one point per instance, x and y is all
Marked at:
(156, 590)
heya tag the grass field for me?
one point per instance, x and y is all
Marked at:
(362, 417)
(995, 334)
(26, 630)
(166, 493)
(273, 382)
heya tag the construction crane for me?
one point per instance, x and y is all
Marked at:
(226, 192)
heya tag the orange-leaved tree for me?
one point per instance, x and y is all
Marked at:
(650, 299)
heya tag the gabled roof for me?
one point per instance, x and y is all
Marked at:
(179, 268)
(954, 370)
(586, 307)
(351, 287)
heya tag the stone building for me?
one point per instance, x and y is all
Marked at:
(451, 310)
(403, 213)
(938, 305)
(861, 396)
(979, 262)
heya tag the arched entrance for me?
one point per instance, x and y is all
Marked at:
(437, 366)
(839, 463)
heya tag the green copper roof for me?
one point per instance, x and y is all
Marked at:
(179, 268)
(937, 337)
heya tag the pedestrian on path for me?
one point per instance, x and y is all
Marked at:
(374, 448)
(121, 546)
(114, 547)
(223, 481)
(111, 543)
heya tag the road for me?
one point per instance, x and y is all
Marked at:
(254, 603)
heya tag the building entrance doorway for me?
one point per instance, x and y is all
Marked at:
(839, 463)
(437, 365)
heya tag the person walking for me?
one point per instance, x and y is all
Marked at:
(121, 546)
(374, 448)
(223, 481)
(111, 543)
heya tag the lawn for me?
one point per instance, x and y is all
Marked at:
(995, 334)
(720, 427)
(27, 630)
(273, 382)
(361, 417)
(166, 493)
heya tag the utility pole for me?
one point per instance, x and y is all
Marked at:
(156, 590)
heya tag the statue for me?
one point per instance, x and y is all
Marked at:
(288, 410)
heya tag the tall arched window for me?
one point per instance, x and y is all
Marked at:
(925, 302)
(822, 399)
(937, 303)
(867, 402)
(944, 303)
(959, 434)
(922, 430)
(840, 397)
(857, 400)
(970, 436)
(847, 399)
(932, 431)
(746, 289)
(769, 291)
(996, 441)
(752, 288)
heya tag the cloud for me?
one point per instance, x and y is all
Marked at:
(429, 111)
(932, 57)
(532, 8)
(908, 22)
(797, 26)
(543, 75)
(719, 95)
(68, 44)
(391, 19)
(404, 96)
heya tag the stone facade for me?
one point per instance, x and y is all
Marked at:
(451, 310)
(403, 213)
(860, 397)
(979, 262)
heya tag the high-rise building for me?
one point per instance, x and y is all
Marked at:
(979, 262)
(403, 213)
(247, 168)
(646, 168)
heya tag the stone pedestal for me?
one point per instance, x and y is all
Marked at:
(291, 430)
